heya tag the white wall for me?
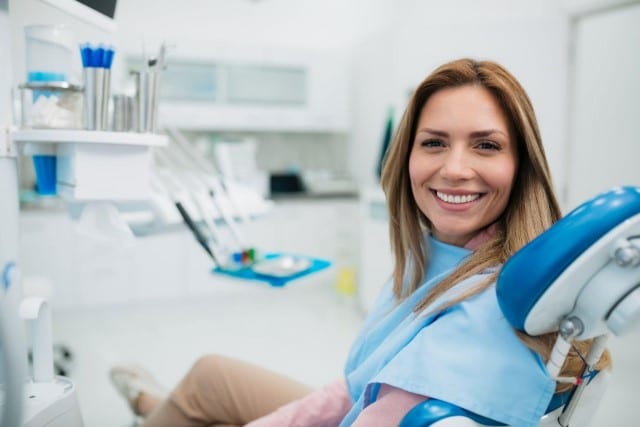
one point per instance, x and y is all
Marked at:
(374, 71)
(202, 26)
(529, 38)
(605, 132)
(242, 30)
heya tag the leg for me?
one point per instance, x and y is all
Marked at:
(222, 390)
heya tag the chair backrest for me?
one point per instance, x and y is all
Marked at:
(586, 266)
(572, 268)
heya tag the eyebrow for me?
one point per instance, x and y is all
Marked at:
(475, 134)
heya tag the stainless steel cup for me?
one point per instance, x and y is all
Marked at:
(153, 86)
(106, 95)
(96, 97)
(123, 113)
(147, 97)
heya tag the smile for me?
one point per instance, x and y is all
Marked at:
(457, 199)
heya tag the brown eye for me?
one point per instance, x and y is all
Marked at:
(432, 143)
(488, 145)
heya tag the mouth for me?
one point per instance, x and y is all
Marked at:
(457, 199)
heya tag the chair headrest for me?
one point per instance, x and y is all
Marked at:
(540, 284)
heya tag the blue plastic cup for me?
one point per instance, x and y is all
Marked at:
(45, 166)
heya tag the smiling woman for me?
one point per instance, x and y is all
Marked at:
(467, 184)
(465, 115)
(462, 163)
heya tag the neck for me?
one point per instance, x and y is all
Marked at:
(482, 237)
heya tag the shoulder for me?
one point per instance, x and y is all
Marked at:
(478, 289)
(472, 347)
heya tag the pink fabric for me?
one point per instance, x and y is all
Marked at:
(323, 408)
(481, 238)
(326, 408)
(389, 408)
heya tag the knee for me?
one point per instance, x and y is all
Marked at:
(203, 381)
(209, 371)
(207, 365)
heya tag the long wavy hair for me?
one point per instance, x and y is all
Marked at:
(531, 209)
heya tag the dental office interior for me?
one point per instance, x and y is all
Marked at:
(283, 108)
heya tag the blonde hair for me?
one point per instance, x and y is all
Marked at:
(532, 206)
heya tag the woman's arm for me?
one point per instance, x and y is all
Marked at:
(389, 408)
(323, 408)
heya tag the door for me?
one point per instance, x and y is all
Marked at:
(604, 146)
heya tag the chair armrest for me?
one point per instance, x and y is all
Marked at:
(437, 413)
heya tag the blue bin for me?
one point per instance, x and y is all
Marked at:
(45, 166)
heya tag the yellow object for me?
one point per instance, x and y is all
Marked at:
(346, 281)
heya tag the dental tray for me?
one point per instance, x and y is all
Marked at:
(277, 268)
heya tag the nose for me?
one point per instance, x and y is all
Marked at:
(456, 165)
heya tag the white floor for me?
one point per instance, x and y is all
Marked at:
(303, 330)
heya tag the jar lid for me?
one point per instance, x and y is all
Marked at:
(59, 86)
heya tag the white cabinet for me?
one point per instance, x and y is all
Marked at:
(305, 92)
(376, 260)
(94, 165)
(85, 271)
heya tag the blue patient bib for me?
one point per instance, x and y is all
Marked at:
(467, 355)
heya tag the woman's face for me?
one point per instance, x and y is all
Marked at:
(463, 162)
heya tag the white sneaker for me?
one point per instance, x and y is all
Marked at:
(132, 380)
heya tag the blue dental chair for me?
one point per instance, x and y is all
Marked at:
(580, 278)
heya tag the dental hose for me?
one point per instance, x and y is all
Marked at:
(197, 233)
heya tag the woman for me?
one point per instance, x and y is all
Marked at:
(467, 184)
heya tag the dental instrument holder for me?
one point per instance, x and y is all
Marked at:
(96, 62)
(97, 87)
(147, 86)
(123, 113)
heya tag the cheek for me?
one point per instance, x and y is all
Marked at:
(502, 176)
(414, 177)
(503, 183)
(413, 171)
(417, 171)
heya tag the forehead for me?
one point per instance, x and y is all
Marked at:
(469, 107)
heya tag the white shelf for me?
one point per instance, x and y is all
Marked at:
(271, 118)
(59, 136)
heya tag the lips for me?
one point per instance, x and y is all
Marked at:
(457, 199)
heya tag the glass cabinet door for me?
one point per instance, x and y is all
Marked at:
(260, 84)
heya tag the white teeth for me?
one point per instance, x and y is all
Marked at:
(449, 198)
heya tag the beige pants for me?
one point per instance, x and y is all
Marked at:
(224, 391)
